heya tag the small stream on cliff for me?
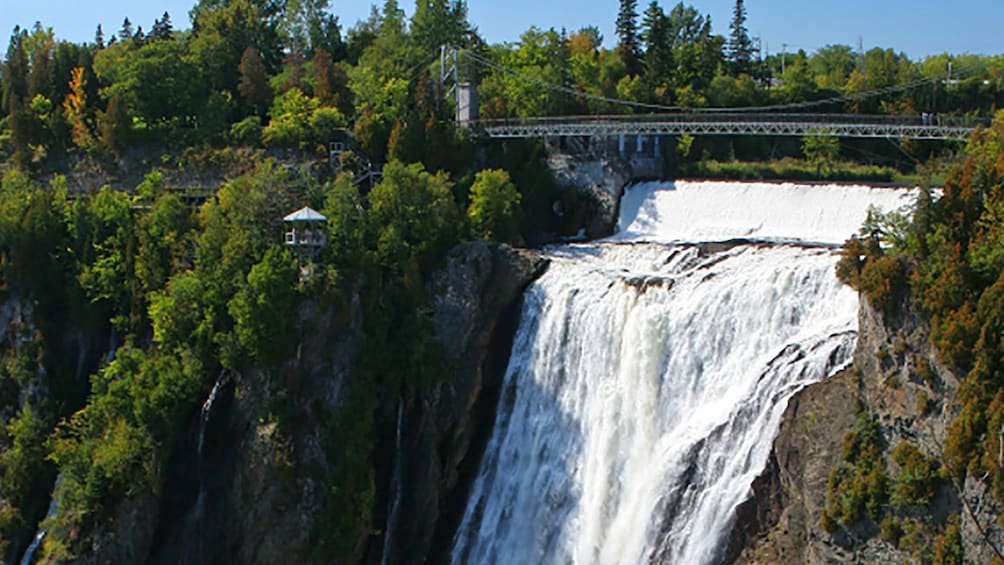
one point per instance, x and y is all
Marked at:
(650, 372)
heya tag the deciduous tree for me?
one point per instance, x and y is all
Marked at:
(493, 211)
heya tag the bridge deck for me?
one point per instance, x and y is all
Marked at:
(796, 125)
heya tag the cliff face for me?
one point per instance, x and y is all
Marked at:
(444, 428)
(235, 487)
(238, 488)
(599, 171)
(891, 380)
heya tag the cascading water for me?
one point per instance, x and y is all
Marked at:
(36, 542)
(650, 373)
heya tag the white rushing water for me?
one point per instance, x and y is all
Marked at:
(687, 211)
(647, 380)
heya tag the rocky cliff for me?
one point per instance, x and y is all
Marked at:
(476, 300)
(245, 486)
(898, 379)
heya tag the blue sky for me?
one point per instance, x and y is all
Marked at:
(917, 27)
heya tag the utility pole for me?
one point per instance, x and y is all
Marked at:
(784, 49)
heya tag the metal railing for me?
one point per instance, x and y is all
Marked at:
(923, 126)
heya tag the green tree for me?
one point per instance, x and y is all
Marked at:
(162, 237)
(494, 208)
(440, 22)
(697, 53)
(740, 46)
(627, 35)
(832, 65)
(177, 312)
(658, 50)
(412, 216)
(114, 125)
(222, 31)
(822, 151)
(343, 206)
(291, 114)
(263, 309)
(162, 29)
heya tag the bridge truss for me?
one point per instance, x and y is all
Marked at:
(792, 125)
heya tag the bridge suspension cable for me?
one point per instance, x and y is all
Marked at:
(851, 97)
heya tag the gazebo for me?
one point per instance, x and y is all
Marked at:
(305, 233)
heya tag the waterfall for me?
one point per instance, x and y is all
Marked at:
(190, 520)
(207, 412)
(196, 517)
(36, 542)
(650, 372)
(394, 507)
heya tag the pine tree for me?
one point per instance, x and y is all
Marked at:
(15, 69)
(162, 28)
(627, 35)
(440, 22)
(739, 50)
(113, 125)
(126, 33)
(658, 51)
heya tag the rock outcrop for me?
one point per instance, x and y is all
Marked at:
(252, 493)
(897, 377)
(476, 299)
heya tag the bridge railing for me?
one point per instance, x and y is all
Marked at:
(740, 117)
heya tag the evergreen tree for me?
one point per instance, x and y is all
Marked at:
(99, 38)
(391, 20)
(15, 70)
(306, 25)
(658, 52)
(627, 35)
(15, 91)
(162, 28)
(113, 125)
(126, 33)
(440, 22)
(740, 47)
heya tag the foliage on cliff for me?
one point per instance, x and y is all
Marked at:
(949, 260)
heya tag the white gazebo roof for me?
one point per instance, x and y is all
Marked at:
(305, 214)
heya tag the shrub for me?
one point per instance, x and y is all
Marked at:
(325, 121)
(247, 132)
(917, 479)
(891, 530)
(860, 483)
(948, 546)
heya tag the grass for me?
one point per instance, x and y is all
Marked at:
(786, 169)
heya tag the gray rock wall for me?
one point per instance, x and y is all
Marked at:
(475, 303)
(885, 381)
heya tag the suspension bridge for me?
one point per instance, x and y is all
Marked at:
(776, 120)
(765, 124)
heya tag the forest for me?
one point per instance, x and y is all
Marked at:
(256, 90)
